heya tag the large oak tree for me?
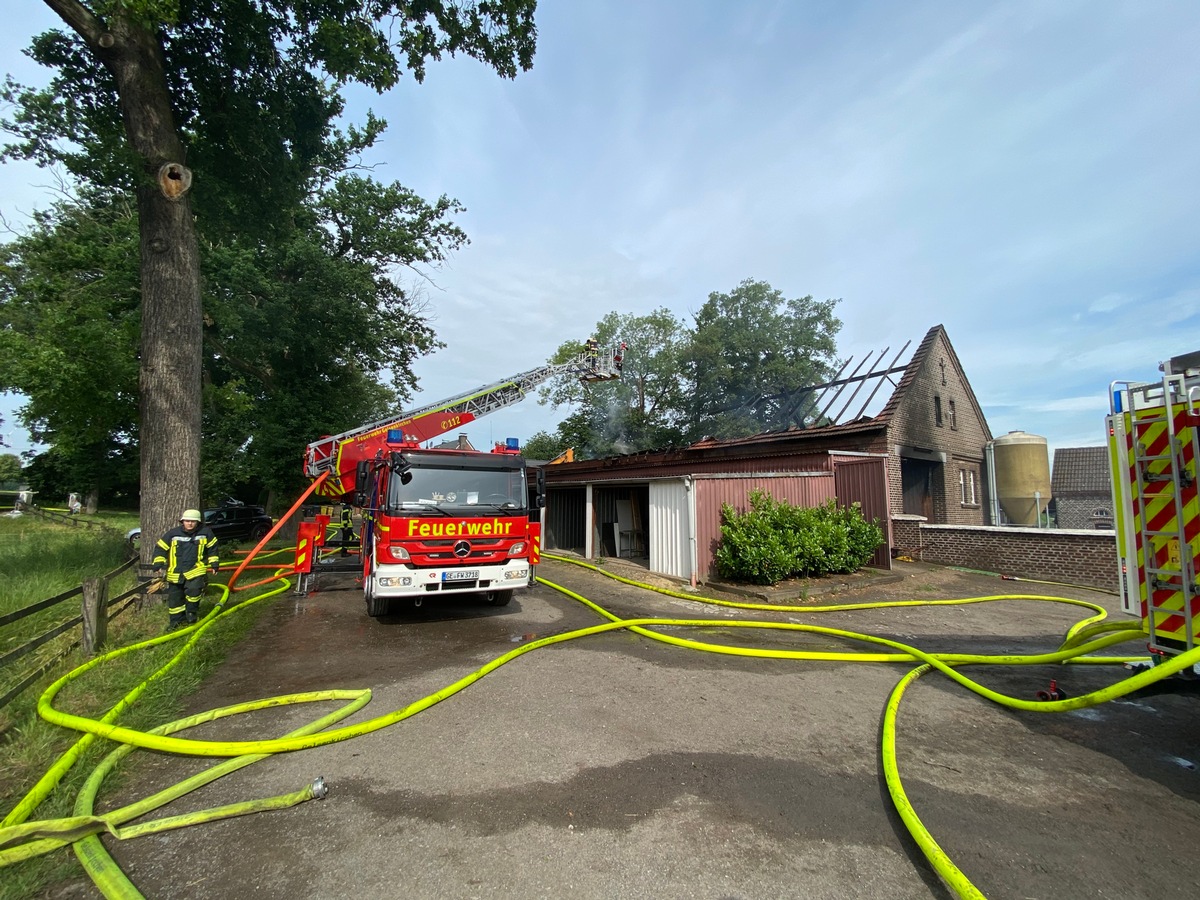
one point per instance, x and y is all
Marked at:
(237, 97)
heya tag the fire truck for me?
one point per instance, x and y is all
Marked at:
(437, 522)
(1154, 445)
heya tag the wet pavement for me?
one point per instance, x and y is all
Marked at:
(617, 766)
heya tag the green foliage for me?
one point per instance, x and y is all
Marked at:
(774, 540)
(741, 370)
(641, 410)
(69, 325)
(750, 353)
(543, 446)
(10, 468)
(303, 312)
(253, 88)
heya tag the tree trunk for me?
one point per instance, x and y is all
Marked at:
(169, 433)
(169, 381)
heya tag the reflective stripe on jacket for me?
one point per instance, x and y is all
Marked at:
(186, 555)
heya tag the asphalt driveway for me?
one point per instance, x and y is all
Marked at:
(616, 766)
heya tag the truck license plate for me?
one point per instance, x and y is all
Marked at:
(461, 575)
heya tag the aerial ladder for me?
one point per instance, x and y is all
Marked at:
(339, 454)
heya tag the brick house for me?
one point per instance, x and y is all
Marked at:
(935, 438)
(1081, 485)
(923, 453)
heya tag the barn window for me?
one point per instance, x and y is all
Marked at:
(966, 486)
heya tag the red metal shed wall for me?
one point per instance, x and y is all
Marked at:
(711, 493)
(864, 480)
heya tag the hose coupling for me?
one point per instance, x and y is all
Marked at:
(319, 788)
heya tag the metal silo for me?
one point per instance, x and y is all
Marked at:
(1022, 476)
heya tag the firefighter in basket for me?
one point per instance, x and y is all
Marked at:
(185, 555)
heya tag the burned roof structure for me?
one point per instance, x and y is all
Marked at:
(847, 397)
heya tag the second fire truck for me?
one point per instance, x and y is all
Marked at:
(1154, 445)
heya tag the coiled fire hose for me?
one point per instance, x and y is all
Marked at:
(21, 841)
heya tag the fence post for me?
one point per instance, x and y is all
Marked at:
(95, 614)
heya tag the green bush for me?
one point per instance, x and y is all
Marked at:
(774, 540)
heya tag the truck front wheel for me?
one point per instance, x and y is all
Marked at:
(499, 598)
(376, 606)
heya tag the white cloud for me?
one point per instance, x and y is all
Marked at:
(1108, 303)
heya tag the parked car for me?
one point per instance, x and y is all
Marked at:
(230, 522)
(238, 523)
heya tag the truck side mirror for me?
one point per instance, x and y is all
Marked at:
(362, 473)
(400, 466)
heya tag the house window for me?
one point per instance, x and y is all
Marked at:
(966, 486)
(953, 415)
(1101, 513)
(937, 410)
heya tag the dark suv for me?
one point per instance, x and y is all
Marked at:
(238, 523)
(231, 522)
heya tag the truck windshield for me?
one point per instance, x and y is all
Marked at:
(459, 490)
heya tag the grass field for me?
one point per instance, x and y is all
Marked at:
(39, 559)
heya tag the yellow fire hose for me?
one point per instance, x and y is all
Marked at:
(19, 841)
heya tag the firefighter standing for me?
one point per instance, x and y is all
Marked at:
(187, 553)
(348, 535)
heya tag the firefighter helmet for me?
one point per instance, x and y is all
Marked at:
(190, 515)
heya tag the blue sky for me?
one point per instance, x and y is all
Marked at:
(1023, 173)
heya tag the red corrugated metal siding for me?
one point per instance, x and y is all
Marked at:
(863, 480)
(798, 490)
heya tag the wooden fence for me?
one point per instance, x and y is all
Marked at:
(93, 620)
(75, 521)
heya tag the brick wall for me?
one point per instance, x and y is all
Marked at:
(906, 535)
(1077, 511)
(1049, 554)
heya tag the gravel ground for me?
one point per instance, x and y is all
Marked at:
(617, 766)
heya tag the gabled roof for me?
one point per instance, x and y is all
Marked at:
(917, 364)
(1081, 470)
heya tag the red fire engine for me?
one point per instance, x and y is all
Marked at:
(455, 521)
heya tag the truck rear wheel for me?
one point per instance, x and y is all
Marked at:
(499, 598)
